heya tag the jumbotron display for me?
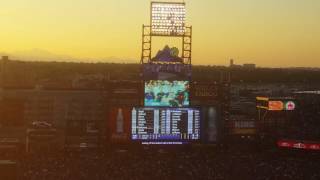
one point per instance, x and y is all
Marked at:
(166, 93)
(165, 124)
(168, 18)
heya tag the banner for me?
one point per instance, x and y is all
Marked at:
(294, 144)
(210, 124)
(154, 71)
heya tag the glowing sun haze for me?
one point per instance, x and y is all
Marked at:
(265, 32)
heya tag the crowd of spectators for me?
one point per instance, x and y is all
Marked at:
(308, 117)
(181, 163)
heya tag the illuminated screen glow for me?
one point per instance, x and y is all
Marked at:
(166, 93)
(282, 105)
(165, 124)
(290, 106)
(168, 18)
(275, 105)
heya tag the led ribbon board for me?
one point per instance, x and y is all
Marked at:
(168, 18)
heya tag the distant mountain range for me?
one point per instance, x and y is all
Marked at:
(44, 55)
(163, 55)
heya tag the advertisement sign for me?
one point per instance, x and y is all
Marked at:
(290, 106)
(210, 118)
(282, 106)
(294, 144)
(166, 71)
(276, 106)
(243, 127)
(204, 92)
(119, 123)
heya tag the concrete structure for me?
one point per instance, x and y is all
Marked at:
(65, 110)
(249, 66)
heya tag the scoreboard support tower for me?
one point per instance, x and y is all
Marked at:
(147, 44)
(167, 20)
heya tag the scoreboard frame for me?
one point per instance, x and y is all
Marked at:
(171, 141)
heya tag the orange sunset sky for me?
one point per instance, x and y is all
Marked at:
(273, 33)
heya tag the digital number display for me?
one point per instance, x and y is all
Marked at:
(160, 124)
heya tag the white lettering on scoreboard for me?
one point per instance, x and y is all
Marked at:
(165, 124)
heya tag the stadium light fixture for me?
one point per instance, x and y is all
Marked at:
(168, 18)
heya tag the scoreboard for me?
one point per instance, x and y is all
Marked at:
(165, 124)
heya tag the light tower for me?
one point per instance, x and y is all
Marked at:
(167, 19)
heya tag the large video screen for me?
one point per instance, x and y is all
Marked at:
(165, 124)
(166, 93)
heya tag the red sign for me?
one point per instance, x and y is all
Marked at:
(294, 144)
(290, 106)
(276, 106)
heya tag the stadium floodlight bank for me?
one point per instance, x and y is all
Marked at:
(168, 18)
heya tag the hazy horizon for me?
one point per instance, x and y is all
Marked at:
(268, 33)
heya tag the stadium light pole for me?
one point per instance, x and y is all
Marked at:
(167, 19)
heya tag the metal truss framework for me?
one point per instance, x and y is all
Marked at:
(147, 44)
